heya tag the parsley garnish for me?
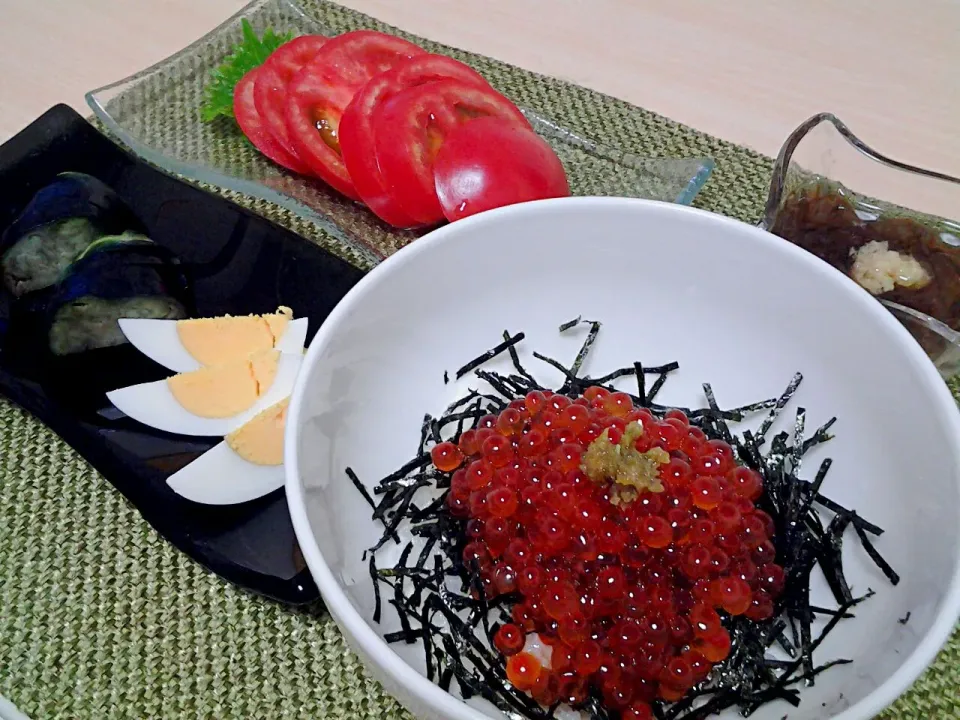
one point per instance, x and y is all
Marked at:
(250, 54)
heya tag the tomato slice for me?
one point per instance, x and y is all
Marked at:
(487, 163)
(318, 94)
(411, 127)
(270, 89)
(357, 144)
(252, 126)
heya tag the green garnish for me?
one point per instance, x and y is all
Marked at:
(250, 54)
(629, 470)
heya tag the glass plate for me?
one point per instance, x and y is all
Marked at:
(156, 112)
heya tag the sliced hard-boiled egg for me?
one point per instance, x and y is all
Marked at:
(160, 340)
(216, 340)
(221, 477)
(260, 441)
(155, 404)
(247, 465)
(219, 391)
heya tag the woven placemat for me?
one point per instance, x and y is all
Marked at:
(100, 618)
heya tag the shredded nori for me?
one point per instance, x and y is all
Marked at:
(657, 385)
(435, 431)
(524, 376)
(377, 604)
(460, 648)
(877, 558)
(587, 344)
(397, 476)
(490, 354)
(360, 488)
(641, 383)
(568, 375)
(637, 369)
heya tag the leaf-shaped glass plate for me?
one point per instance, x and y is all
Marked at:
(156, 112)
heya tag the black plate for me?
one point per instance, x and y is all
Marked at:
(240, 263)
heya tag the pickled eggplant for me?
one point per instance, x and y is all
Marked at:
(118, 276)
(60, 221)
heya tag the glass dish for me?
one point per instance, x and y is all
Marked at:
(156, 112)
(904, 249)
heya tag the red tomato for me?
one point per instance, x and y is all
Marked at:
(487, 163)
(249, 121)
(411, 127)
(357, 144)
(318, 94)
(270, 90)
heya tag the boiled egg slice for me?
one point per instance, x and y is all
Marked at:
(154, 404)
(246, 466)
(160, 341)
(221, 477)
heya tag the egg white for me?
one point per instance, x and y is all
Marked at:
(159, 341)
(221, 477)
(153, 404)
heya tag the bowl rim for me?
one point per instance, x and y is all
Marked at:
(361, 633)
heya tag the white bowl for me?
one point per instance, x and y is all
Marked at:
(735, 306)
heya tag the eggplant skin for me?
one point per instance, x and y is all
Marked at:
(38, 259)
(59, 222)
(126, 276)
(78, 259)
(90, 323)
(73, 195)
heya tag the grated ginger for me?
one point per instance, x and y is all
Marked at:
(879, 269)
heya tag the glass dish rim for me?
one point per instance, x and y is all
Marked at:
(778, 179)
(204, 174)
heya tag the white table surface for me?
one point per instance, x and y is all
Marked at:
(748, 71)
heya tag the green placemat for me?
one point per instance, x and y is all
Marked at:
(100, 618)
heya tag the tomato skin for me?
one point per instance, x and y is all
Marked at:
(357, 144)
(486, 163)
(252, 125)
(322, 89)
(410, 128)
(270, 88)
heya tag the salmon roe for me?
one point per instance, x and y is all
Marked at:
(628, 595)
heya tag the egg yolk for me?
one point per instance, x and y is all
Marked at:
(215, 341)
(260, 441)
(219, 391)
